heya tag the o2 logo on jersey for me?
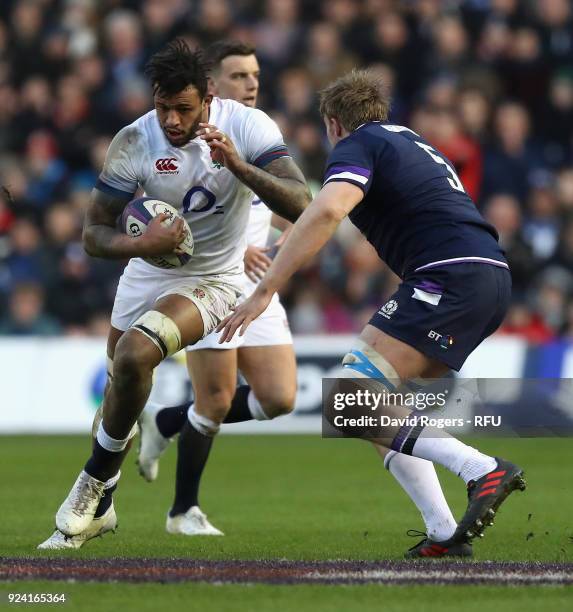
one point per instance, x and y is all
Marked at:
(167, 165)
(200, 200)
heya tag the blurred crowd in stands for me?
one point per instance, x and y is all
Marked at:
(488, 82)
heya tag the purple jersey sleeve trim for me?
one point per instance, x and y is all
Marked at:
(118, 193)
(338, 168)
(346, 180)
(268, 156)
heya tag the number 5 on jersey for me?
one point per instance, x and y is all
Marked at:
(454, 181)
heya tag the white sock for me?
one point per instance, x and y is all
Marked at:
(202, 424)
(110, 444)
(419, 479)
(255, 408)
(461, 459)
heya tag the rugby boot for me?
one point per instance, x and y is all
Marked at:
(485, 496)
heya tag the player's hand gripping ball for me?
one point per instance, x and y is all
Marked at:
(136, 217)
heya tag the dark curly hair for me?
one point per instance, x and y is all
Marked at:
(176, 67)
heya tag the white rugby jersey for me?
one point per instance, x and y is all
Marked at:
(257, 235)
(259, 223)
(213, 201)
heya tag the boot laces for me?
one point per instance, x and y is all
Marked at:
(83, 494)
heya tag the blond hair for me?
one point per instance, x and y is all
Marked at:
(355, 98)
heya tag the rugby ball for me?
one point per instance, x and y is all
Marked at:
(134, 221)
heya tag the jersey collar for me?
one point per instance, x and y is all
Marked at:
(367, 123)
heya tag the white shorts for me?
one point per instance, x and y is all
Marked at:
(270, 329)
(141, 285)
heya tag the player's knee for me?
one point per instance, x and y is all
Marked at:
(159, 330)
(364, 362)
(363, 369)
(202, 423)
(277, 402)
(134, 358)
(216, 403)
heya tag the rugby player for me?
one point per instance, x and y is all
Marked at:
(220, 152)
(407, 200)
(265, 357)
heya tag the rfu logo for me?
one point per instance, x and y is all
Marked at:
(167, 165)
(388, 309)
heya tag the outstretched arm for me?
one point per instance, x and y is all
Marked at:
(309, 234)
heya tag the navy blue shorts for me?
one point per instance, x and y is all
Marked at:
(447, 312)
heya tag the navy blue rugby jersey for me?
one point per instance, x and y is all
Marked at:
(415, 211)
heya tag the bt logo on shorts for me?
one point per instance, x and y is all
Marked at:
(167, 165)
(388, 309)
(443, 340)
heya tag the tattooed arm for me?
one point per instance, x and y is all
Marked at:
(102, 238)
(280, 185)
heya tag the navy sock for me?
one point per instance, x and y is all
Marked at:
(104, 464)
(239, 406)
(170, 421)
(407, 435)
(192, 452)
(105, 501)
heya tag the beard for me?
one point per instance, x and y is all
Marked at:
(178, 138)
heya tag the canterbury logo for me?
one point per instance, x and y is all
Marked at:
(167, 165)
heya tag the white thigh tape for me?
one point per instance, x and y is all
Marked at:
(161, 330)
(364, 362)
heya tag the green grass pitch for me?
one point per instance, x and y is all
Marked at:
(287, 497)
